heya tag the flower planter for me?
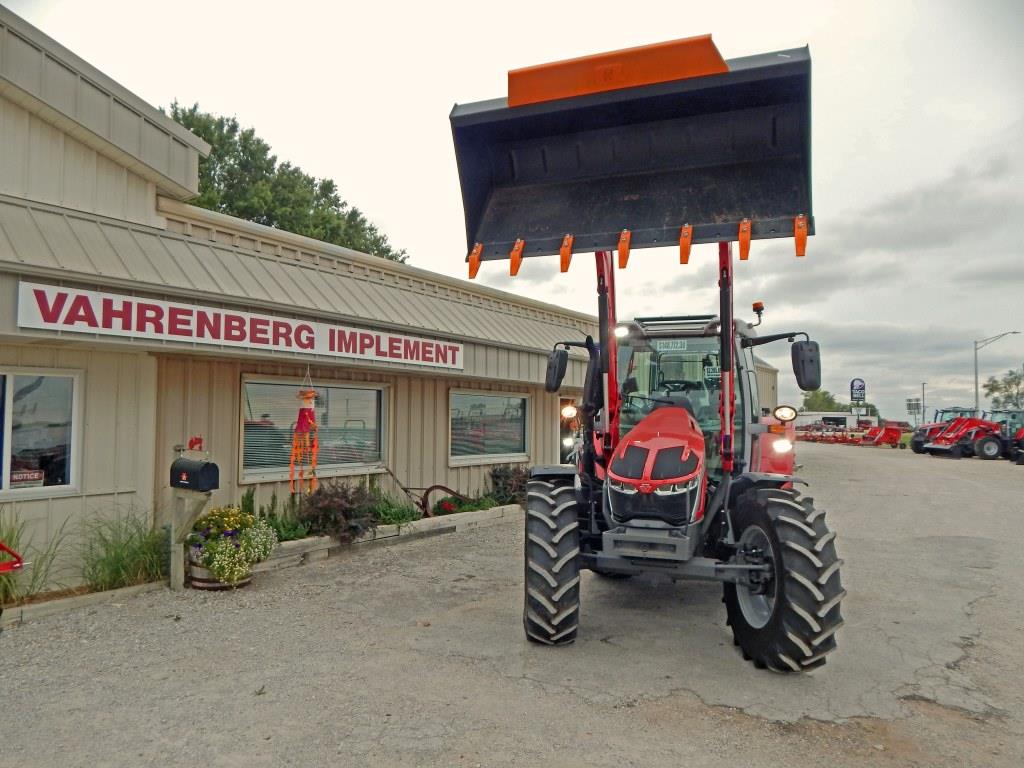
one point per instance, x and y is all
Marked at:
(201, 578)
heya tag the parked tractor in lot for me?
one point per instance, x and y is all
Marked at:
(925, 433)
(678, 476)
(987, 438)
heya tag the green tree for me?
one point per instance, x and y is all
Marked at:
(822, 400)
(242, 178)
(1007, 391)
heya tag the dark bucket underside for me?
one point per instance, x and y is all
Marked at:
(707, 152)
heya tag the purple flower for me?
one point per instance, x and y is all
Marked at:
(230, 533)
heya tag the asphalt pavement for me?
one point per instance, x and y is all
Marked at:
(413, 654)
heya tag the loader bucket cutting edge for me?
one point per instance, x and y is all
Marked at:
(704, 152)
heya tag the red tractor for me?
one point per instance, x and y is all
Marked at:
(988, 438)
(677, 474)
(925, 433)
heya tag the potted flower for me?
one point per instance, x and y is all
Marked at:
(224, 545)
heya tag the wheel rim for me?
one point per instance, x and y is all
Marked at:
(990, 449)
(757, 608)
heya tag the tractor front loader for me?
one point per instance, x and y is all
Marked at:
(678, 474)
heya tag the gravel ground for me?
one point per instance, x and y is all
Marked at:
(413, 654)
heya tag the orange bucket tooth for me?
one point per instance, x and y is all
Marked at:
(624, 240)
(744, 238)
(685, 241)
(800, 234)
(516, 257)
(474, 260)
(565, 253)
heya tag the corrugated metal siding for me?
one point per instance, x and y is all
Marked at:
(39, 162)
(767, 384)
(49, 80)
(94, 251)
(118, 419)
(199, 396)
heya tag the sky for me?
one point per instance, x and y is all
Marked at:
(918, 159)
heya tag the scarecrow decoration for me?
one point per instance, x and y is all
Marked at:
(305, 443)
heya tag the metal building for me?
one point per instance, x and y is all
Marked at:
(132, 322)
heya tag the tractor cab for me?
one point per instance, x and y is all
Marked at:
(676, 362)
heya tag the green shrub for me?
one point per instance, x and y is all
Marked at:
(122, 552)
(336, 509)
(21, 585)
(248, 504)
(388, 511)
(286, 528)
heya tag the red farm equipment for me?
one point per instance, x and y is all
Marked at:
(994, 437)
(927, 432)
(10, 564)
(676, 476)
(887, 434)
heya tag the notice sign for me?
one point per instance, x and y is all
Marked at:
(27, 478)
(857, 391)
(108, 314)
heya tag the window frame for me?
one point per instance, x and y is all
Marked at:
(73, 486)
(481, 459)
(332, 470)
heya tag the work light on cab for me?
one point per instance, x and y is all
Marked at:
(785, 413)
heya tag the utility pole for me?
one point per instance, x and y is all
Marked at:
(981, 344)
(923, 411)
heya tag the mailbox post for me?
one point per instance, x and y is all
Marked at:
(193, 481)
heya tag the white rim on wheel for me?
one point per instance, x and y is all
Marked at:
(757, 608)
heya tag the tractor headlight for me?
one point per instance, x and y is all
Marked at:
(785, 413)
(621, 331)
(674, 488)
(621, 487)
(569, 411)
(782, 445)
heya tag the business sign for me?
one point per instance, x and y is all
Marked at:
(71, 310)
(913, 405)
(857, 391)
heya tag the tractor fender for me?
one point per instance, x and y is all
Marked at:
(553, 471)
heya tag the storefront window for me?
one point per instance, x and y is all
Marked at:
(36, 426)
(349, 424)
(487, 425)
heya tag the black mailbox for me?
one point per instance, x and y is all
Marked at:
(195, 474)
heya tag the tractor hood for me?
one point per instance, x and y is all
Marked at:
(657, 471)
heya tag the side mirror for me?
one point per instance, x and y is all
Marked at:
(558, 361)
(629, 386)
(807, 365)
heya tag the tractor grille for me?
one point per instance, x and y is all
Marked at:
(674, 509)
(669, 463)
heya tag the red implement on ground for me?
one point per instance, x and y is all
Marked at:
(14, 564)
(887, 435)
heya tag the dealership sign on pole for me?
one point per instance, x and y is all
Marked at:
(72, 310)
(857, 391)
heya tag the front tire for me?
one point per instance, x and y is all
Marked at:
(988, 448)
(917, 446)
(791, 625)
(551, 600)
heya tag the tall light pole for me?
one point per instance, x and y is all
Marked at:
(923, 411)
(981, 344)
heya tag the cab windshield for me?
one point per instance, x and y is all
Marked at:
(661, 372)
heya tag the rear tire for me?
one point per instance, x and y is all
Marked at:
(917, 446)
(988, 448)
(792, 627)
(551, 599)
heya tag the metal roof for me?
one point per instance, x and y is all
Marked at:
(46, 78)
(61, 244)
